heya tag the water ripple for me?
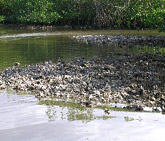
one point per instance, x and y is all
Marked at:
(28, 35)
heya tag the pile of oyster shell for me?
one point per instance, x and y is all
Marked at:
(133, 79)
(121, 40)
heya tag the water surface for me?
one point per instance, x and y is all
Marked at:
(30, 47)
(21, 118)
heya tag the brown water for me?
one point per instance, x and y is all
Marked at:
(22, 118)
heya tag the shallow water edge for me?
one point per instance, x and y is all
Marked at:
(23, 119)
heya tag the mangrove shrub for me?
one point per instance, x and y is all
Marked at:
(129, 14)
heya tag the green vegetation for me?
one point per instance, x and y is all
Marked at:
(120, 14)
(2, 18)
(61, 104)
(129, 119)
(104, 117)
(113, 108)
(74, 111)
(78, 106)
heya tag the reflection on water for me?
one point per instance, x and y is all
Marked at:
(74, 114)
(29, 47)
(39, 49)
(17, 36)
(21, 118)
(71, 111)
(24, 109)
(70, 114)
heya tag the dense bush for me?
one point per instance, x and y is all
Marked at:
(134, 14)
(32, 11)
(148, 14)
(2, 18)
(75, 12)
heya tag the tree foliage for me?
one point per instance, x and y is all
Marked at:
(32, 11)
(134, 14)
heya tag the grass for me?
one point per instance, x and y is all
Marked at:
(113, 108)
(128, 119)
(77, 105)
(61, 104)
(105, 117)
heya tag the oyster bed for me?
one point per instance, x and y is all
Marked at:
(137, 80)
(121, 40)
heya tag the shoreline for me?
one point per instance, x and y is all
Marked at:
(121, 40)
(65, 27)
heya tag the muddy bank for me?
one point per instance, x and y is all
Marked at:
(45, 27)
(121, 40)
(137, 80)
